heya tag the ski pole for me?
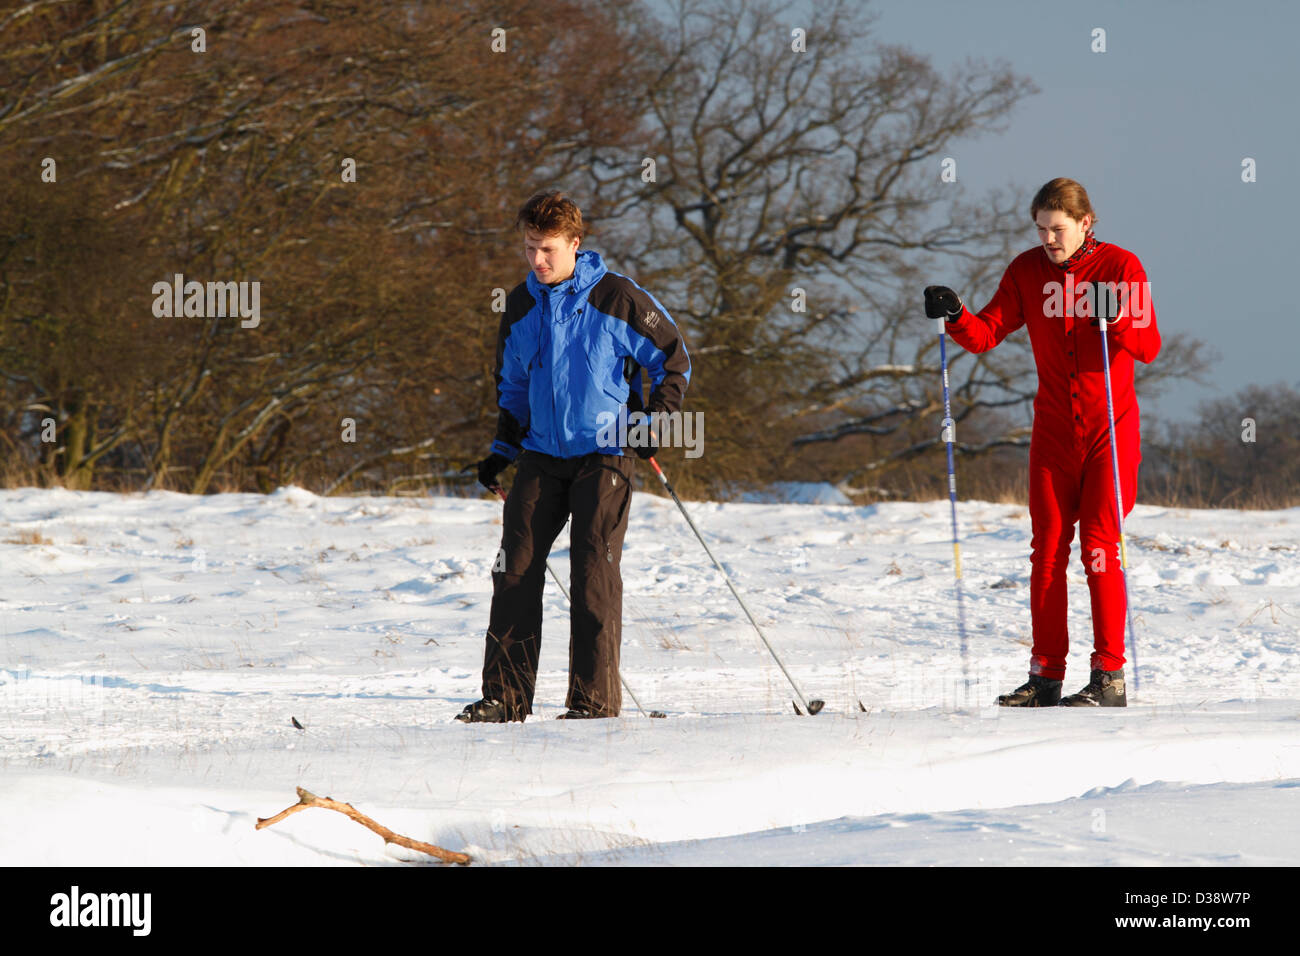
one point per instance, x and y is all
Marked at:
(1102, 313)
(565, 591)
(812, 706)
(950, 436)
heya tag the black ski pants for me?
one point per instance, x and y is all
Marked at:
(595, 491)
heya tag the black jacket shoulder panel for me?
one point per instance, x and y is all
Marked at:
(620, 297)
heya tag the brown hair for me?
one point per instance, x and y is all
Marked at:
(1065, 195)
(551, 212)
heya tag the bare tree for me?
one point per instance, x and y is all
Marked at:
(794, 213)
(1239, 451)
(228, 164)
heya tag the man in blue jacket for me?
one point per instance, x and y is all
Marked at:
(572, 345)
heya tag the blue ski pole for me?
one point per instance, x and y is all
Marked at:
(949, 437)
(1103, 314)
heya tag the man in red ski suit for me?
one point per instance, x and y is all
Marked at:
(1052, 290)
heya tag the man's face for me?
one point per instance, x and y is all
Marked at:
(551, 257)
(1060, 235)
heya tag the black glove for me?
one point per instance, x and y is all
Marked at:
(941, 303)
(1108, 303)
(645, 433)
(489, 468)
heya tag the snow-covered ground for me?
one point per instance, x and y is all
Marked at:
(155, 648)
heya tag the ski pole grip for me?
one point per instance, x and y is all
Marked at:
(1106, 298)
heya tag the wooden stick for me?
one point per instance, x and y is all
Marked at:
(308, 799)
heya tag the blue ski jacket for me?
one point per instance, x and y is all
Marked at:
(569, 352)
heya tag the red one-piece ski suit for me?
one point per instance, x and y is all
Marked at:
(1071, 477)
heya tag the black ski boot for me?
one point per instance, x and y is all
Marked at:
(487, 711)
(1038, 692)
(1105, 689)
(579, 713)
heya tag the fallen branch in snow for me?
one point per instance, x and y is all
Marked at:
(308, 799)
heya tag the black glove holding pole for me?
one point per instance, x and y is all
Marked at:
(1108, 302)
(941, 303)
(489, 468)
(644, 440)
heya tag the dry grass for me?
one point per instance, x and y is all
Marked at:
(999, 478)
(1010, 485)
(670, 641)
(28, 537)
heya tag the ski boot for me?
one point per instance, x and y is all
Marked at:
(579, 713)
(1037, 692)
(487, 711)
(1105, 689)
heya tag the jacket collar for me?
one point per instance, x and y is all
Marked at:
(587, 271)
(1090, 244)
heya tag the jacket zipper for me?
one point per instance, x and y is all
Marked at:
(552, 327)
(551, 332)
